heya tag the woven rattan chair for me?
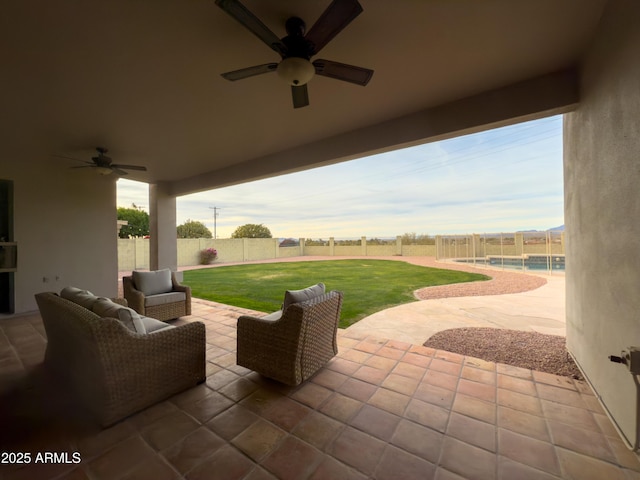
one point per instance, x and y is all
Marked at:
(112, 371)
(293, 346)
(163, 311)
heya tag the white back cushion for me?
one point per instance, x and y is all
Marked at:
(297, 296)
(84, 298)
(152, 283)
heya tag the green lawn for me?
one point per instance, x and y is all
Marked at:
(368, 285)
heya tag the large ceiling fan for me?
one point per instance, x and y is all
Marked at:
(297, 48)
(104, 165)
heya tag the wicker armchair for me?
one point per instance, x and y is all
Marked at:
(112, 371)
(148, 306)
(290, 347)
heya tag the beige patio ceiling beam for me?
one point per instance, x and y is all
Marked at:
(547, 95)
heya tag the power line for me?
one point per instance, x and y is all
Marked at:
(215, 216)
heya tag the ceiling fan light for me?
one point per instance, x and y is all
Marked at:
(296, 71)
(103, 171)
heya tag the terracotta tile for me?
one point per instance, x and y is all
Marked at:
(428, 415)
(416, 359)
(514, 371)
(479, 363)
(444, 474)
(445, 366)
(381, 363)
(357, 389)
(346, 342)
(329, 379)
(100, 442)
(470, 372)
(516, 384)
(476, 408)
(369, 347)
(318, 429)
(357, 449)
(390, 401)
(422, 350)
(404, 346)
(341, 365)
(440, 379)
(575, 465)
(419, 440)
(286, 413)
(371, 375)
(168, 430)
(472, 431)
(508, 469)
(221, 378)
(409, 370)
(389, 352)
(524, 423)
(260, 400)
(449, 356)
(580, 440)
(593, 404)
(239, 389)
(532, 452)
(606, 427)
(76, 474)
(121, 459)
(340, 407)
(554, 380)
(193, 449)
(396, 463)
(624, 456)
(467, 460)
(311, 394)
(231, 422)
(519, 401)
(434, 394)
(153, 413)
(331, 469)
(192, 395)
(203, 410)
(376, 422)
(479, 390)
(570, 415)
(293, 459)
(153, 469)
(560, 395)
(259, 473)
(401, 384)
(356, 356)
(225, 464)
(259, 440)
(583, 387)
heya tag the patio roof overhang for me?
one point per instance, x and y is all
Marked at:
(143, 79)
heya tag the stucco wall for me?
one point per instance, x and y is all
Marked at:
(65, 227)
(602, 185)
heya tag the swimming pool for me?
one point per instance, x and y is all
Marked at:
(525, 262)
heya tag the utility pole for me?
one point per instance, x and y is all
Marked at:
(215, 216)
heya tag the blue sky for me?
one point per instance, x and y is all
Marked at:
(502, 180)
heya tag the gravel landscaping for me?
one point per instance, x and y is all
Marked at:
(531, 350)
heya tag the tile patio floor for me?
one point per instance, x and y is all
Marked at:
(381, 409)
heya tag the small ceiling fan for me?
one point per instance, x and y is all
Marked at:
(297, 48)
(103, 164)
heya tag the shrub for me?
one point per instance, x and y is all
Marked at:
(208, 255)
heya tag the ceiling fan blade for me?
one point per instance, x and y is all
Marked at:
(338, 15)
(84, 166)
(253, 24)
(300, 96)
(119, 172)
(344, 72)
(250, 71)
(130, 167)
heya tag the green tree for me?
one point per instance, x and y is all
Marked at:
(137, 221)
(193, 229)
(252, 230)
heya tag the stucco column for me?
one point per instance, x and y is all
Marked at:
(163, 245)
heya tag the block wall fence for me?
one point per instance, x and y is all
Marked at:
(133, 253)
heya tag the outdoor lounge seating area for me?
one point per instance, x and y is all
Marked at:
(157, 294)
(379, 409)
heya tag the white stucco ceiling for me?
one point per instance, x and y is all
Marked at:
(143, 77)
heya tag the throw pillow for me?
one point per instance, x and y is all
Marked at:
(152, 283)
(84, 298)
(297, 296)
(127, 315)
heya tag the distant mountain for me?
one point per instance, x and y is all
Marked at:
(557, 229)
